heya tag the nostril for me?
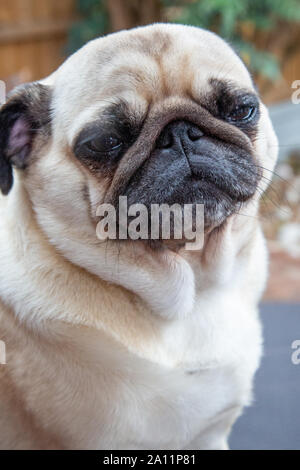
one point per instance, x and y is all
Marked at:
(194, 133)
(177, 131)
(165, 140)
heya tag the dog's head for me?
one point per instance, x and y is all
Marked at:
(161, 114)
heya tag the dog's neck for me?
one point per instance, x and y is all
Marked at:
(68, 282)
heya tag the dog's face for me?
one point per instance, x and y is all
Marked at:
(161, 114)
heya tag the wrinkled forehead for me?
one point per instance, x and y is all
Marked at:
(143, 67)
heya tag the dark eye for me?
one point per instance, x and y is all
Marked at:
(243, 113)
(104, 143)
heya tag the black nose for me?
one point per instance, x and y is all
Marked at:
(177, 132)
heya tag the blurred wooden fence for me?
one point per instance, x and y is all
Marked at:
(32, 37)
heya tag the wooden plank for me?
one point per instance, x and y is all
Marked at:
(33, 31)
(20, 11)
(32, 37)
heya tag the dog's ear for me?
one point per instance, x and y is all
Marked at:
(25, 115)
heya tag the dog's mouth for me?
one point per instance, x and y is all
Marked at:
(201, 175)
(171, 208)
(190, 183)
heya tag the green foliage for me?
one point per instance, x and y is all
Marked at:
(226, 17)
(93, 23)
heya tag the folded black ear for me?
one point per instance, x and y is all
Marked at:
(22, 117)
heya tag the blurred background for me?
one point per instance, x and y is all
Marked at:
(37, 35)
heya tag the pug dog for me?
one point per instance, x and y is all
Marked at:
(128, 344)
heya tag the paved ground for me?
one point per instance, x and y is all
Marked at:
(273, 421)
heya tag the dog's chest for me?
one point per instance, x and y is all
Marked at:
(164, 405)
(160, 409)
(178, 408)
